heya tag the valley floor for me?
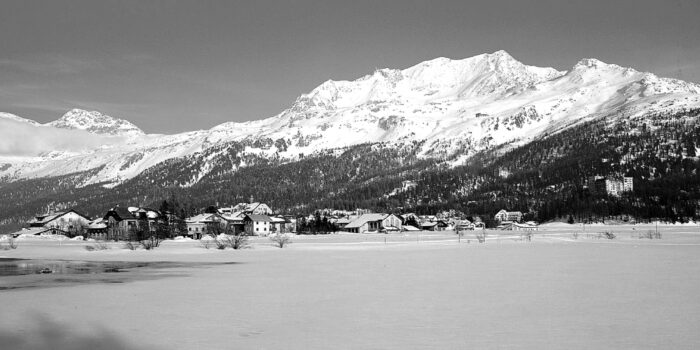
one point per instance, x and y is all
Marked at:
(351, 291)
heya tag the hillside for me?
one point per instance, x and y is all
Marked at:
(477, 135)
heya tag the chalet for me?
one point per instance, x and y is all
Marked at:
(438, 225)
(279, 224)
(409, 216)
(508, 216)
(69, 221)
(409, 228)
(428, 226)
(374, 223)
(235, 222)
(514, 226)
(248, 208)
(258, 225)
(463, 225)
(97, 229)
(203, 224)
(121, 221)
(340, 223)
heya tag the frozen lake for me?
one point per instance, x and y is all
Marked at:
(358, 292)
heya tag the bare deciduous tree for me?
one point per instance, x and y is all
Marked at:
(281, 239)
(237, 241)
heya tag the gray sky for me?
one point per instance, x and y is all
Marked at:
(174, 66)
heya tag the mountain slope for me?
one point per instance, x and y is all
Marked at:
(452, 108)
(12, 117)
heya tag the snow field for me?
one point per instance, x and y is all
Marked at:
(545, 294)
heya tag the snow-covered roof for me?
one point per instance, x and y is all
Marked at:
(44, 219)
(37, 231)
(202, 218)
(365, 219)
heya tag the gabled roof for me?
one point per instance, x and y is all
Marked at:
(45, 219)
(247, 207)
(204, 218)
(365, 218)
(121, 213)
(35, 231)
(237, 216)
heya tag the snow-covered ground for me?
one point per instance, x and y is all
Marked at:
(349, 291)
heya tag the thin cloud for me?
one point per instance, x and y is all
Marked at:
(51, 65)
(22, 139)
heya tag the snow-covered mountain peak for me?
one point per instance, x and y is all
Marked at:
(453, 107)
(593, 64)
(95, 122)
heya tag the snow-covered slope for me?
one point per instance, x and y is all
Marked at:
(457, 107)
(12, 117)
(95, 122)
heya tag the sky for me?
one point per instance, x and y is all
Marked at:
(173, 66)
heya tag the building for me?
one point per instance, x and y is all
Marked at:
(463, 225)
(408, 185)
(508, 216)
(69, 221)
(205, 224)
(514, 226)
(122, 221)
(97, 229)
(279, 224)
(259, 225)
(340, 223)
(235, 224)
(612, 186)
(438, 225)
(248, 208)
(374, 223)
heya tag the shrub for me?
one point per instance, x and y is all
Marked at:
(481, 236)
(206, 242)
(281, 239)
(131, 245)
(237, 241)
(220, 243)
(151, 243)
(11, 244)
(98, 245)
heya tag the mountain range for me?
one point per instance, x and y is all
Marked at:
(442, 111)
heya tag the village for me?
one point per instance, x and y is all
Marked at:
(135, 223)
